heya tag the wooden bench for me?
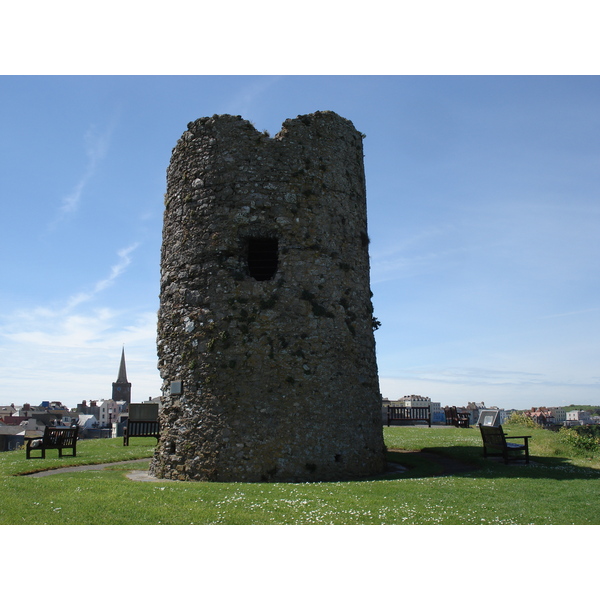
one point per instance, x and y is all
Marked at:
(495, 444)
(54, 438)
(408, 413)
(455, 418)
(140, 429)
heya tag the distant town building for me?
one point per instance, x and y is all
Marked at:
(503, 415)
(109, 412)
(559, 414)
(541, 416)
(413, 401)
(579, 417)
(7, 411)
(11, 437)
(89, 409)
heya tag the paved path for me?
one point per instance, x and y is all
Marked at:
(86, 468)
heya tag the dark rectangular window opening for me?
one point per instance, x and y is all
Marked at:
(263, 258)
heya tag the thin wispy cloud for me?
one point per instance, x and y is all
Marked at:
(46, 314)
(570, 313)
(418, 239)
(116, 271)
(407, 263)
(96, 145)
(65, 331)
(95, 329)
(472, 376)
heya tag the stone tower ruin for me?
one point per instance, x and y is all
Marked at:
(265, 330)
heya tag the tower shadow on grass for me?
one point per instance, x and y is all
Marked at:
(468, 461)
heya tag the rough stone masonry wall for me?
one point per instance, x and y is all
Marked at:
(277, 367)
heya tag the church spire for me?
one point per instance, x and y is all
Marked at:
(122, 388)
(122, 376)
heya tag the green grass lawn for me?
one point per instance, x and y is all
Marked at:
(559, 487)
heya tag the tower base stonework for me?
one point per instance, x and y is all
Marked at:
(265, 330)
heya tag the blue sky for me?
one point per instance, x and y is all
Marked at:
(483, 205)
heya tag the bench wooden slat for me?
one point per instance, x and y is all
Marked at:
(409, 413)
(140, 429)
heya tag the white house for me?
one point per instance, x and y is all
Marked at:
(582, 416)
(413, 401)
(87, 421)
(109, 412)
